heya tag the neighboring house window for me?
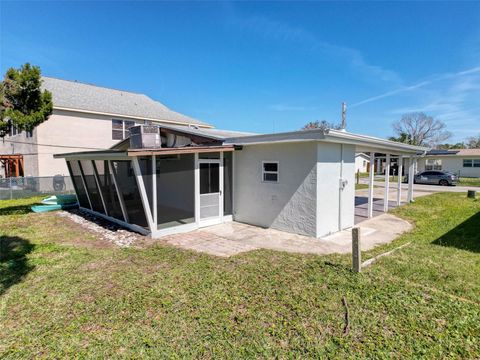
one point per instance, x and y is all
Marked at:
(433, 164)
(364, 163)
(270, 171)
(120, 129)
(471, 163)
(14, 131)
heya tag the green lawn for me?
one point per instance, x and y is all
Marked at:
(469, 181)
(361, 186)
(63, 294)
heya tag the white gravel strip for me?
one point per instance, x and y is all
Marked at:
(109, 231)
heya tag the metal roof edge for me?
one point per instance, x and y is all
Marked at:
(325, 135)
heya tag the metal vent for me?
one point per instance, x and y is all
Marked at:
(145, 136)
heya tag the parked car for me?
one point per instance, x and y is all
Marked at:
(443, 178)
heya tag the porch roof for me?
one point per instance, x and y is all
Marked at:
(363, 143)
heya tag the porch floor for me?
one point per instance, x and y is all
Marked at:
(233, 238)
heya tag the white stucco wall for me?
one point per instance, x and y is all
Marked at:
(290, 204)
(307, 198)
(453, 164)
(329, 172)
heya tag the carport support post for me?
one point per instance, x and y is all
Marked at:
(356, 250)
(387, 183)
(410, 179)
(399, 185)
(370, 185)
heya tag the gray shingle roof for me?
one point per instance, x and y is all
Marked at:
(80, 96)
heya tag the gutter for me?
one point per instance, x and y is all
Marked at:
(207, 126)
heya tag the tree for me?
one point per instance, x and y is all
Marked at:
(22, 102)
(421, 129)
(403, 138)
(473, 142)
(447, 146)
(323, 125)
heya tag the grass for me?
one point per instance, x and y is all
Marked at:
(463, 181)
(61, 296)
(361, 186)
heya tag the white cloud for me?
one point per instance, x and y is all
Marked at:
(281, 31)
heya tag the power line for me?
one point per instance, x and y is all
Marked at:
(50, 145)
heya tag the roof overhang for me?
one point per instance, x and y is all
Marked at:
(132, 117)
(363, 143)
(101, 154)
(175, 151)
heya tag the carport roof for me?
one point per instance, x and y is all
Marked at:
(363, 143)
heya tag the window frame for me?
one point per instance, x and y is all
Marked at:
(124, 128)
(466, 161)
(270, 172)
(434, 165)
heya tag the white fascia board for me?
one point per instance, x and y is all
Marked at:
(94, 156)
(366, 142)
(374, 142)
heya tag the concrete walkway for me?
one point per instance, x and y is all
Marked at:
(233, 238)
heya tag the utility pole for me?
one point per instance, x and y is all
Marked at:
(344, 116)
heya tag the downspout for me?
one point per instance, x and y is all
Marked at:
(341, 186)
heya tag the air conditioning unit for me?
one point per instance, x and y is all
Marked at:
(145, 136)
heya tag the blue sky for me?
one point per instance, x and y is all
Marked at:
(264, 66)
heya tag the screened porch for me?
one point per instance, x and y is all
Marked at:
(156, 192)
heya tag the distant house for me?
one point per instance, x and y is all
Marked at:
(465, 162)
(85, 117)
(362, 163)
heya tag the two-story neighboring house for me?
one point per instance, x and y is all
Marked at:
(85, 117)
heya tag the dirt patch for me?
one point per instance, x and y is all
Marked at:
(107, 231)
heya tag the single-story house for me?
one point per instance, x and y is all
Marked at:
(362, 163)
(464, 162)
(168, 179)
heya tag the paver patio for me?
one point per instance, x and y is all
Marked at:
(233, 238)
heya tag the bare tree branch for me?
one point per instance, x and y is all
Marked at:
(420, 129)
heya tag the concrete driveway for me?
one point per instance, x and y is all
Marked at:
(422, 188)
(233, 238)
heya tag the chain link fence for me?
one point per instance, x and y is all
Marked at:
(24, 187)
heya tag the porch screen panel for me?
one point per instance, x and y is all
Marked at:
(93, 192)
(76, 177)
(147, 178)
(175, 190)
(227, 182)
(107, 186)
(127, 185)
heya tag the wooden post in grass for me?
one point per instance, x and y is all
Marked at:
(356, 251)
(471, 194)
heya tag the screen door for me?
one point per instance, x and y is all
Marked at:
(210, 193)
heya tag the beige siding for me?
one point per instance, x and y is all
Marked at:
(69, 132)
(21, 144)
(453, 164)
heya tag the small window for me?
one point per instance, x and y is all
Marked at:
(433, 164)
(476, 163)
(270, 171)
(117, 130)
(467, 163)
(120, 129)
